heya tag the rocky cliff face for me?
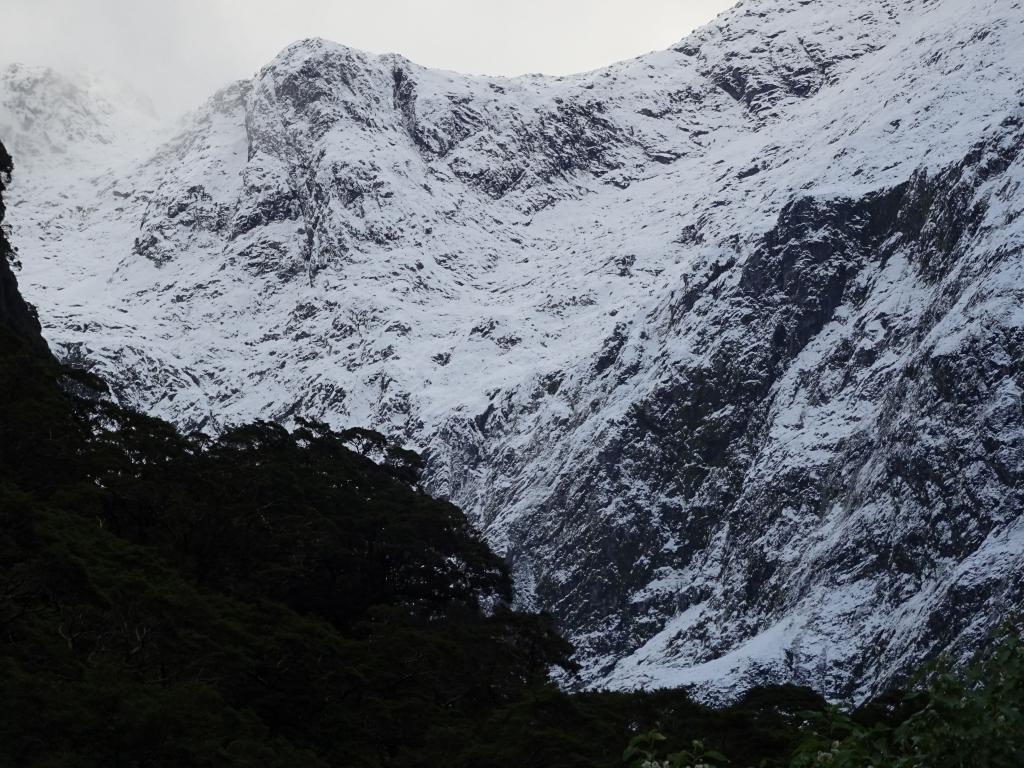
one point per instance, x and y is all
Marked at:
(721, 345)
(16, 317)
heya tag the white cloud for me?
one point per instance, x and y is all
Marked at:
(182, 50)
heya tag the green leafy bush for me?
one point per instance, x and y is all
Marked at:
(969, 716)
(956, 718)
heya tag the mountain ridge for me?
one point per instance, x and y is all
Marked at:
(646, 323)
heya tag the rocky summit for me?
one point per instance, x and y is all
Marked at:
(722, 347)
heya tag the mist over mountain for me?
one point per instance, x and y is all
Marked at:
(720, 347)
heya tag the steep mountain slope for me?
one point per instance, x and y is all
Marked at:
(272, 598)
(16, 317)
(721, 345)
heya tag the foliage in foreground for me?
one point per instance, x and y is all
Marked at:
(972, 716)
(969, 717)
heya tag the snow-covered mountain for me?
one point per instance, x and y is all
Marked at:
(73, 126)
(721, 345)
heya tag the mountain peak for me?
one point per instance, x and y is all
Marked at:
(683, 335)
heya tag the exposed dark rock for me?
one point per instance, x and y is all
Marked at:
(16, 316)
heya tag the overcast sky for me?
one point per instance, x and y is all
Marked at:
(180, 51)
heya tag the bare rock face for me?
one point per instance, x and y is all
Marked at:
(16, 316)
(721, 346)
